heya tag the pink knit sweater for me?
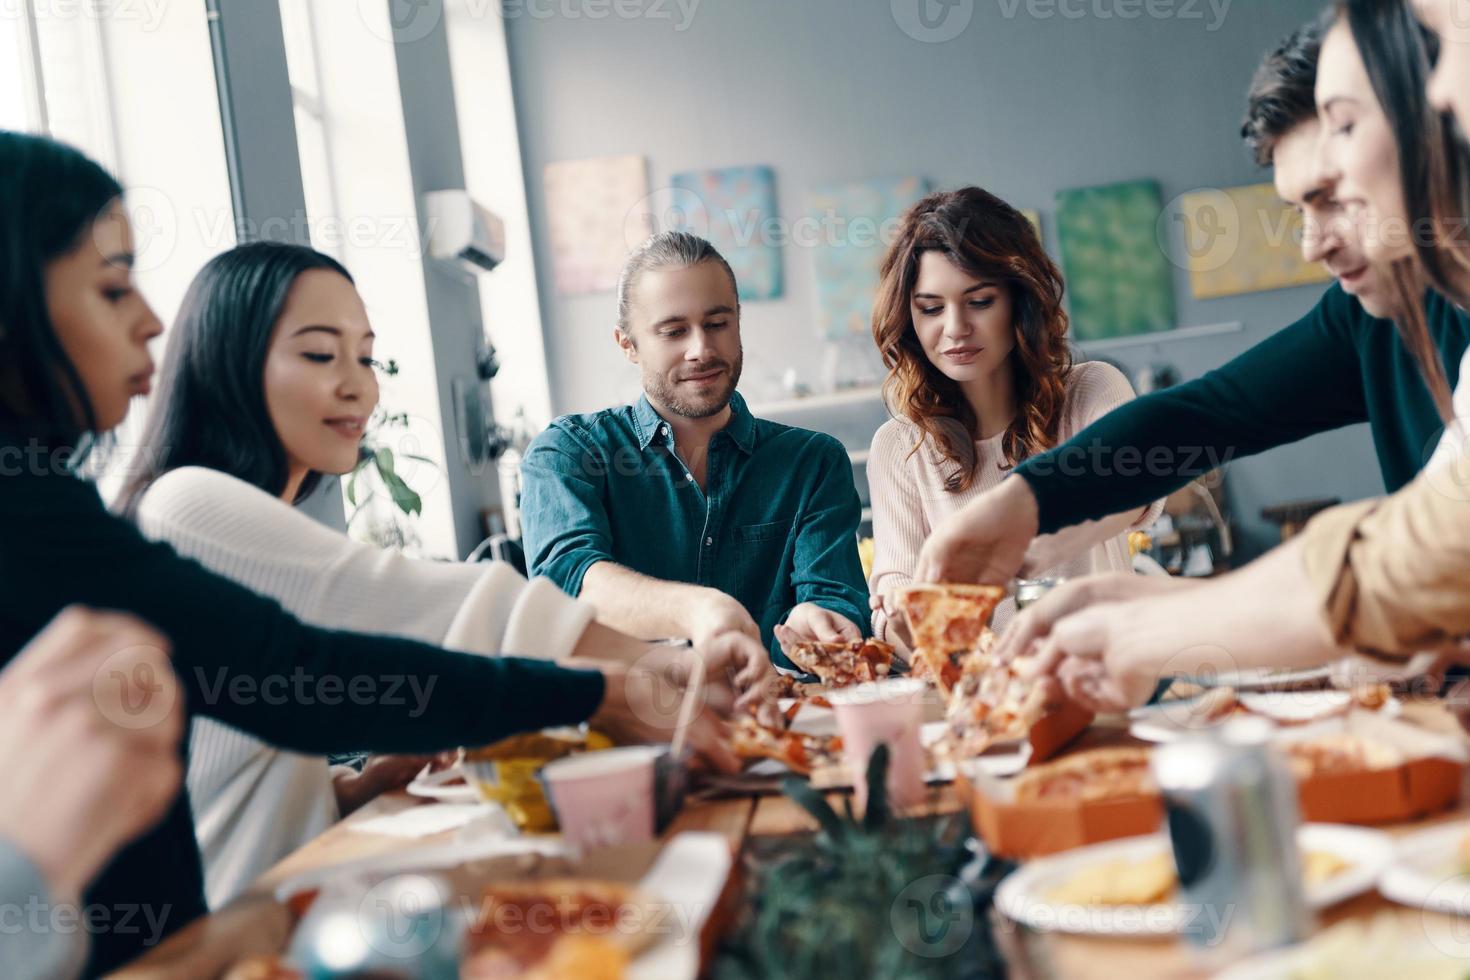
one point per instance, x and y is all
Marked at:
(909, 498)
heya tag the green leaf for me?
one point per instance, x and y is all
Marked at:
(385, 463)
(403, 495)
(352, 489)
(877, 815)
(420, 459)
(816, 804)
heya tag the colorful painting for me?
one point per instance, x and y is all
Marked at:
(1243, 240)
(1118, 278)
(852, 224)
(1033, 216)
(588, 204)
(735, 208)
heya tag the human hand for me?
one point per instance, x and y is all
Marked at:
(91, 716)
(983, 542)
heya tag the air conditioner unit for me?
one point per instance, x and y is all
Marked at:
(464, 231)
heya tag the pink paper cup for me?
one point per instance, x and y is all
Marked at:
(886, 712)
(603, 798)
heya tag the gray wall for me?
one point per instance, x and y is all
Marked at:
(825, 90)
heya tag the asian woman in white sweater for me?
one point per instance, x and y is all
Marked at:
(969, 321)
(267, 385)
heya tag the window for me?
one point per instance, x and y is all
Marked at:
(299, 30)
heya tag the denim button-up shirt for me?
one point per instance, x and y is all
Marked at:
(776, 525)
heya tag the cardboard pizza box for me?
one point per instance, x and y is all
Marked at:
(1429, 780)
(691, 880)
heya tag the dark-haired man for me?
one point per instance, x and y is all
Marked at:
(683, 515)
(1339, 365)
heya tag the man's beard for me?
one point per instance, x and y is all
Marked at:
(666, 393)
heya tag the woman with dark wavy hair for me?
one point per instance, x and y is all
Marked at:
(970, 324)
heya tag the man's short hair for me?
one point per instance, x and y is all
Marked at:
(1282, 91)
(666, 250)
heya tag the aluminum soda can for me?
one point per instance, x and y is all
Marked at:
(1231, 812)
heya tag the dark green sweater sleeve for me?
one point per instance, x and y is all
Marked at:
(245, 661)
(1300, 381)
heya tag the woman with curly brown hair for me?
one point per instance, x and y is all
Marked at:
(970, 324)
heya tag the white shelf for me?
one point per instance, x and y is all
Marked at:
(867, 514)
(836, 399)
(859, 457)
(1160, 337)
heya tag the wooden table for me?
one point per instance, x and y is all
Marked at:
(256, 924)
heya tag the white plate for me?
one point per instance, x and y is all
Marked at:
(1408, 953)
(1263, 679)
(1169, 721)
(1022, 896)
(431, 785)
(1425, 871)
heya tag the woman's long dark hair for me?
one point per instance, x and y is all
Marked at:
(1399, 53)
(50, 195)
(210, 407)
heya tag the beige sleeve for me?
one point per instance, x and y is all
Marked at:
(899, 528)
(1392, 575)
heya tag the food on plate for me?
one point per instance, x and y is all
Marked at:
(505, 772)
(990, 703)
(1141, 881)
(1371, 697)
(558, 928)
(1211, 707)
(1379, 947)
(843, 664)
(1321, 866)
(264, 968)
(1337, 754)
(1152, 879)
(1092, 776)
(800, 752)
(946, 621)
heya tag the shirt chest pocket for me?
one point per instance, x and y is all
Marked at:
(760, 546)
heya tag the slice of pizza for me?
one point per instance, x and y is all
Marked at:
(1091, 776)
(990, 703)
(946, 623)
(949, 617)
(843, 664)
(798, 751)
(558, 927)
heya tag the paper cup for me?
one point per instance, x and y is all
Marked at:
(890, 712)
(603, 798)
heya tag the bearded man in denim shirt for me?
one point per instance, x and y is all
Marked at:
(684, 515)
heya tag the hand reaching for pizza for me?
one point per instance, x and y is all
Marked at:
(896, 631)
(641, 703)
(811, 623)
(1034, 624)
(983, 542)
(746, 666)
(1088, 654)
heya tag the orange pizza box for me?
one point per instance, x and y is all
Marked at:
(1055, 731)
(1027, 830)
(1429, 778)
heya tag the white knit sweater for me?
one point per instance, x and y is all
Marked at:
(254, 804)
(909, 498)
